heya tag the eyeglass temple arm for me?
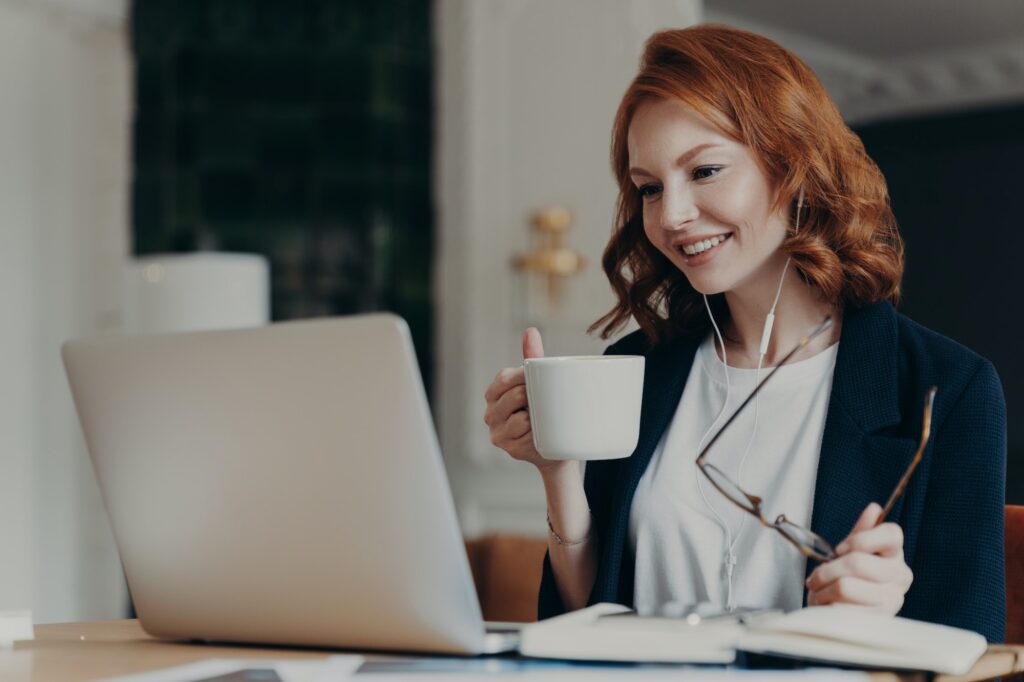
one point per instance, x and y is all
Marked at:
(825, 324)
(926, 428)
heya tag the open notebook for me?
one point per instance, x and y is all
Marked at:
(843, 635)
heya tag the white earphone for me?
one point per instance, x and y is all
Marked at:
(729, 560)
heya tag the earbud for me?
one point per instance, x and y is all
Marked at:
(799, 209)
(769, 321)
(766, 335)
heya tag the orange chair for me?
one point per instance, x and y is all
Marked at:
(1014, 574)
(506, 570)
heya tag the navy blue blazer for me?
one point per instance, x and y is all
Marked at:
(952, 510)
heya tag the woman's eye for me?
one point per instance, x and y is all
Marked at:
(705, 172)
(648, 190)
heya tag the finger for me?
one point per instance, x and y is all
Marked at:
(533, 347)
(517, 426)
(858, 565)
(850, 590)
(504, 380)
(886, 540)
(522, 447)
(868, 518)
(510, 402)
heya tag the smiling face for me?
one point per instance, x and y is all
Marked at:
(707, 204)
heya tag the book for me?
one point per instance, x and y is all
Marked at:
(836, 635)
(855, 636)
(591, 635)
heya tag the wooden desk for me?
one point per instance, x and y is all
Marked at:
(72, 652)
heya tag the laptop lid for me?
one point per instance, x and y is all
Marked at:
(282, 484)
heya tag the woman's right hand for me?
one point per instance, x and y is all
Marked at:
(507, 415)
(574, 563)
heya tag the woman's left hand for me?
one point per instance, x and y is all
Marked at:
(870, 569)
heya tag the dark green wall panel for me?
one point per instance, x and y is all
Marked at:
(299, 130)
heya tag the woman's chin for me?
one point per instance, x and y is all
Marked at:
(707, 285)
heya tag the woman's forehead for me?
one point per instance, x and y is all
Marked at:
(664, 126)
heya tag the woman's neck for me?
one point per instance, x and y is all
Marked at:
(800, 309)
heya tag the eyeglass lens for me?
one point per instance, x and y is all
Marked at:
(805, 538)
(725, 486)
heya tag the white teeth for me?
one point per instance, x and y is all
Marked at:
(700, 247)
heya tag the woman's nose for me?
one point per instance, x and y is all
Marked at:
(678, 209)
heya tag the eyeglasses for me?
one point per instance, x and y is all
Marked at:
(807, 541)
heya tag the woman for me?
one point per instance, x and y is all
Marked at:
(747, 212)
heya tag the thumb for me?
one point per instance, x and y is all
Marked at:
(533, 347)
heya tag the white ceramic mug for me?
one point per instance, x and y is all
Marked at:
(585, 407)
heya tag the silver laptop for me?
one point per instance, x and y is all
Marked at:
(280, 485)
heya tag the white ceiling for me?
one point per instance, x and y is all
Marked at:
(890, 28)
(893, 58)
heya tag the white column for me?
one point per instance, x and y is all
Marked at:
(17, 318)
(65, 72)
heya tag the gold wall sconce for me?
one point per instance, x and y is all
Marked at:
(551, 259)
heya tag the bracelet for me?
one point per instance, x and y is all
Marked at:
(562, 541)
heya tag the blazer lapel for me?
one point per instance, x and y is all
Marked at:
(665, 372)
(862, 457)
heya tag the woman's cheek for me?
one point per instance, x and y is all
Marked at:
(650, 225)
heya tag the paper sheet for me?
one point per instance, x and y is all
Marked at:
(339, 668)
(673, 674)
(15, 626)
(331, 669)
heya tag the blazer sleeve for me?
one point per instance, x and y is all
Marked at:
(549, 602)
(959, 563)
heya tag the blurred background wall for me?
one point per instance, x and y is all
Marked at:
(398, 155)
(955, 180)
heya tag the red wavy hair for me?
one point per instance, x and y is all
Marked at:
(759, 93)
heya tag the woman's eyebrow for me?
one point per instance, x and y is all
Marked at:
(682, 160)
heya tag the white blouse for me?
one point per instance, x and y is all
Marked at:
(679, 544)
